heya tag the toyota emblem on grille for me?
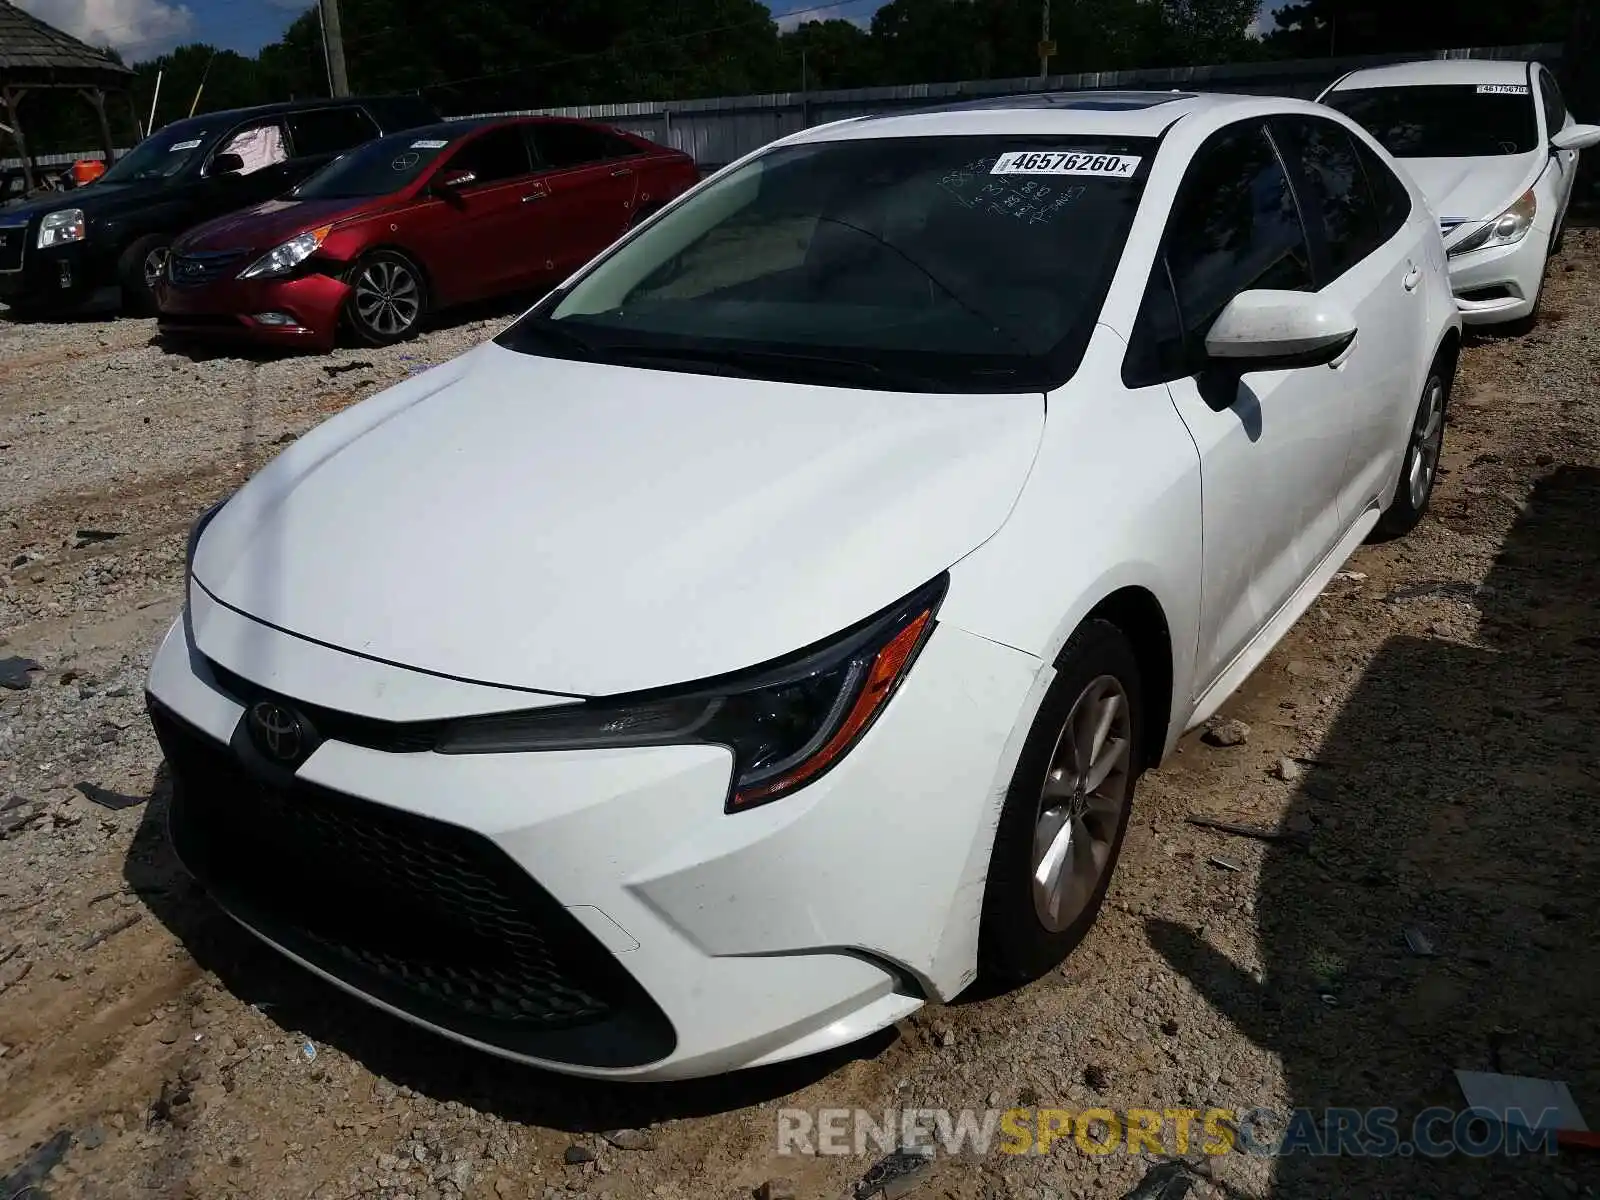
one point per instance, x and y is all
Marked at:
(277, 731)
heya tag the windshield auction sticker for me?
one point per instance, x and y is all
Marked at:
(1502, 89)
(1065, 162)
(430, 144)
(189, 145)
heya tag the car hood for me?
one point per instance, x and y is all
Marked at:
(267, 225)
(95, 199)
(589, 530)
(1474, 189)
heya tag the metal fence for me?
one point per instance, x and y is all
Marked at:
(717, 131)
(720, 130)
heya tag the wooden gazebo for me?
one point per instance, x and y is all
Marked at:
(35, 56)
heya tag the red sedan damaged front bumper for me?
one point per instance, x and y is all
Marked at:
(300, 311)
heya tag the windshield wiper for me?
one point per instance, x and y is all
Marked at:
(784, 363)
(552, 331)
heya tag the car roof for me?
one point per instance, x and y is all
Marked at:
(280, 108)
(1434, 72)
(1085, 113)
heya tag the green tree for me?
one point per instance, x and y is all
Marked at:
(831, 54)
(1315, 28)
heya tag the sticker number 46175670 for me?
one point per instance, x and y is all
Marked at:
(1065, 162)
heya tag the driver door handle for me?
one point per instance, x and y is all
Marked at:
(621, 171)
(1413, 278)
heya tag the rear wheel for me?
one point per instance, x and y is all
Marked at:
(139, 269)
(1419, 468)
(1066, 812)
(388, 298)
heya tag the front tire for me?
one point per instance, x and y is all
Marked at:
(1419, 466)
(139, 269)
(388, 298)
(1066, 812)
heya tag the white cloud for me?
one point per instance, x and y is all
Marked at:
(794, 18)
(1264, 23)
(135, 28)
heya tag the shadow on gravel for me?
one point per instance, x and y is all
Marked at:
(1458, 797)
(307, 1008)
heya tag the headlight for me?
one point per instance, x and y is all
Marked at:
(62, 226)
(786, 724)
(1508, 228)
(285, 258)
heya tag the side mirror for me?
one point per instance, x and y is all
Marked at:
(227, 164)
(1279, 331)
(453, 181)
(1576, 137)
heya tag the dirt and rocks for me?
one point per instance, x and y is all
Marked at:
(1425, 737)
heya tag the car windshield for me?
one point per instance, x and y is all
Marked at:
(162, 155)
(1445, 121)
(915, 264)
(375, 168)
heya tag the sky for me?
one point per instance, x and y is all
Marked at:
(142, 29)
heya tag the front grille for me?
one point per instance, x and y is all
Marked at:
(12, 240)
(195, 269)
(392, 737)
(428, 917)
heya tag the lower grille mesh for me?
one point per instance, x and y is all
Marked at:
(424, 915)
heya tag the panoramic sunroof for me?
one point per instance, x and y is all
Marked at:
(1099, 101)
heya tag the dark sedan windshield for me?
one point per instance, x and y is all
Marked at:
(375, 168)
(160, 156)
(1444, 121)
(926, 264)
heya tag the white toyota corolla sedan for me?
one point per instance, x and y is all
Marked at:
(1495, 151)
(764, 634)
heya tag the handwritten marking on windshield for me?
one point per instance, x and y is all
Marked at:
(1031, 201)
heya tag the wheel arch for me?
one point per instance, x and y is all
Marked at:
(1138, 614)
(405, 252)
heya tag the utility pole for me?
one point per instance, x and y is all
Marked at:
(1047, 48)
(333, 45)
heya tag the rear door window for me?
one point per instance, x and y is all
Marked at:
(319, 132)
(1389, 193)
(559, 146)
(1338, 205)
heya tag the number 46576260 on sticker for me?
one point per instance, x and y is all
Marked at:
(1065, 162)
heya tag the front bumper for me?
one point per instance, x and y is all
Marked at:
(597, 912)
(1501, 284)
(60, 276)
(229, 308)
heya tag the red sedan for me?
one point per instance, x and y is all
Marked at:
(418, 221)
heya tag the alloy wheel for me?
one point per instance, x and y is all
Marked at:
(388, 298)
(155, 265)
(1427, 440)
(1081, 803)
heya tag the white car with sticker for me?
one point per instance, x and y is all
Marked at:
(765, 634)
(1496, 153)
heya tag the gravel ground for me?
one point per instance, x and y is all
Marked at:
(1428, 729)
